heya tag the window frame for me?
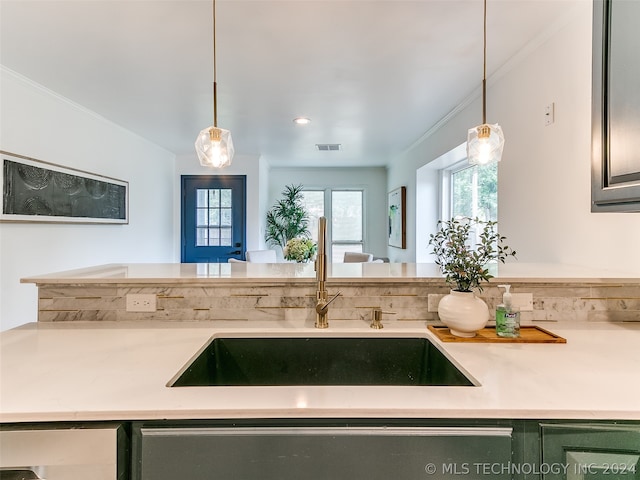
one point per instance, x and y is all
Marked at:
(446, 187)
(328, 213)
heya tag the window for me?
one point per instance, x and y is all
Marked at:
(213, 217)
(447, 187)
(472, 191)
(345, 222)
(313, 201)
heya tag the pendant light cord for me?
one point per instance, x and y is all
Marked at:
(215, 84)
(484, 67)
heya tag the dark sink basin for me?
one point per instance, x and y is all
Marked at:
(235, 361)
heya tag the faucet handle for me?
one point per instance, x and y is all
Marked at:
(333, 298)
(323, 304)
(376, 320)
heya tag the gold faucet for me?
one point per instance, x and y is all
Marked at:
(322, 304)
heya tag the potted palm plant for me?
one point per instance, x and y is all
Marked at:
(287, 219)
(464, 262)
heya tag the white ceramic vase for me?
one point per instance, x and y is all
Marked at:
(463, 313)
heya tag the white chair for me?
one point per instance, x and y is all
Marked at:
(261, 256)
(357, 257)
(235, 260)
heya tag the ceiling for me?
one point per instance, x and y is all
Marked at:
(373, 76)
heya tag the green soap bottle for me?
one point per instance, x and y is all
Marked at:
(507, 316)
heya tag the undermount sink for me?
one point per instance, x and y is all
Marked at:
(320, 360)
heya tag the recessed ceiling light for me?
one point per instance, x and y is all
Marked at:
(301, 121)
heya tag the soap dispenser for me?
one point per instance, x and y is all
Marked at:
(507, 316)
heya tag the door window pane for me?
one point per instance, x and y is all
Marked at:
(225, 197)
(214, 197)
(225, 236)
(201, 217)
(202, 237)
(214, 217)
(214, 237)
(225, 217)
(201, 198)
(213, 211)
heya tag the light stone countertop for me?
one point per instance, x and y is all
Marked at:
(258, 273)
(81, 371)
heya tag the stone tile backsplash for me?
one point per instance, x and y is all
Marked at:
(409, 301)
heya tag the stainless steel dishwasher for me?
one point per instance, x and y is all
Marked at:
(60, 452)
(165, 452)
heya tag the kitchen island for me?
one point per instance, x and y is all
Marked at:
(529, 408)
(531, 411)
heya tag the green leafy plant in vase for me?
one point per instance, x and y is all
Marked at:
(464, 248)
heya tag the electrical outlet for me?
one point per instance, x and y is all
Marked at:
(141, 302)
(524, 301)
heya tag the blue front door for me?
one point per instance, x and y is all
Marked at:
(213, 218)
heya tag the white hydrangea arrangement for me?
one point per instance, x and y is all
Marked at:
(300, 250)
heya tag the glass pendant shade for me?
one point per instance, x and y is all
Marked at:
(214, 147)
(484, 144)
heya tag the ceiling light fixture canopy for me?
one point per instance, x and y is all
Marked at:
(485, 142)
(214, 145)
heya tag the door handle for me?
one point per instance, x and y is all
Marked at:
(236, 252)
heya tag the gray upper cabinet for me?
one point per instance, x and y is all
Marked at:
(615, 165)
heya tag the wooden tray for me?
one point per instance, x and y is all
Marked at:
(528, 334)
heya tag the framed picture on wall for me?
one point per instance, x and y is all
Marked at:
(397, 209)
(38, 191)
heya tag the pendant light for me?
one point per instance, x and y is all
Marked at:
(214, 145)
(485, 142)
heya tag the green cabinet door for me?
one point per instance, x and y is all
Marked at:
(590, 451)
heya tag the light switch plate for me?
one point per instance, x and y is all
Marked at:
(549, 114)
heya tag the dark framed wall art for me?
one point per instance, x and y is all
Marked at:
(398, 217)
(38, 191)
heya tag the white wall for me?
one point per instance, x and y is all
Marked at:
(544, 177)
(372, 180)
(37, 123)
(257, 177)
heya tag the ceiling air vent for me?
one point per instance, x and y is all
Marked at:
(328, 147)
